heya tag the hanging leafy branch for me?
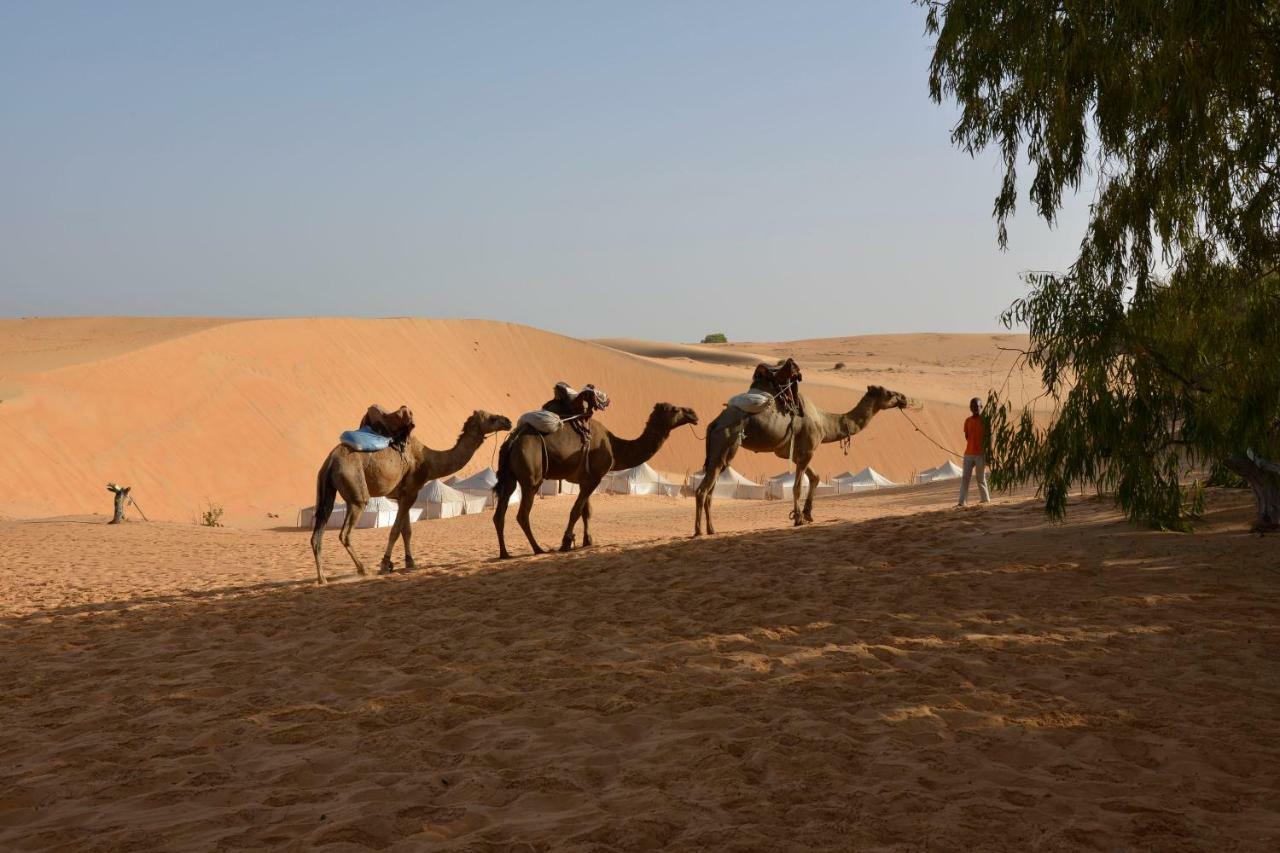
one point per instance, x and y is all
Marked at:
(1158, 348)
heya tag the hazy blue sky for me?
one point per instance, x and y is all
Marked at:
(770, 170)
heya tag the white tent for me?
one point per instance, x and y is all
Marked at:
(557, 487)
(482, 484)
(731, 484)
(946, 471)
(867, 478)
(378, 512)
(783, 486)
(436, 500)
(640, 480)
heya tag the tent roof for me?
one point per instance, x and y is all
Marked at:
(729, 475)
(847, 475)
(642, 473)
(870, 475)
(485, 479)
(946, 469)
(437, 492)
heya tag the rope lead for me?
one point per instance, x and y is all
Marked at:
(926, 435)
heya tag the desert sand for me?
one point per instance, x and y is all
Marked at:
(240, 414)
(900, 676)
(896, 677)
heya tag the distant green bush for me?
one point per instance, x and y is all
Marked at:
(715, 338)
(212, 516)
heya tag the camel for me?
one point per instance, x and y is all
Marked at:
(528, 457)
(390, 473)
(791, 438)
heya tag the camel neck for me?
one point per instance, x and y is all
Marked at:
(853, 421)
(630, 452)
(445, 462)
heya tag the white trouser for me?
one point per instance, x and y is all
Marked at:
(976, 460)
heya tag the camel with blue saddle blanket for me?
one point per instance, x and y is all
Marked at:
(389, 471)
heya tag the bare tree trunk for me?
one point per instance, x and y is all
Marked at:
(1266, 491)
(122, 498)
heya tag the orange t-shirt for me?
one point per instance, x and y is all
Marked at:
(973, 436)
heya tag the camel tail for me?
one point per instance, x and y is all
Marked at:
(326, 492)
(504, 472)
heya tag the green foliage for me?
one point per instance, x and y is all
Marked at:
(1158, 348)
(715, 338)
(212, 516)
(1224, 478)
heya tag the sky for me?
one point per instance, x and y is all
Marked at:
(658, 170)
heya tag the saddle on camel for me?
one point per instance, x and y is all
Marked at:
(770, 385)
(784, 382)
(379, 429)
(568, 406)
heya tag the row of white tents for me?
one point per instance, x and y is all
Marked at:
(474, 494)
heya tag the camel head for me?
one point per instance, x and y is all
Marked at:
(668, 417)
(882, 398)
(482, 424)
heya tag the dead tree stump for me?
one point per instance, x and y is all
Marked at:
(122, 499)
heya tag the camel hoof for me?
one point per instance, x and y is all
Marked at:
(322, 582)
(410, 564)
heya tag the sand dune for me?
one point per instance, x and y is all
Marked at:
(240, 414)
(883, 680)
(704, 353)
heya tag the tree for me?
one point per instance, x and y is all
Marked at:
(1158, 347)
(715, 338)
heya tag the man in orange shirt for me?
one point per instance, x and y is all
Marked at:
(974, 454)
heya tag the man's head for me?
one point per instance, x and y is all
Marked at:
(975, 405)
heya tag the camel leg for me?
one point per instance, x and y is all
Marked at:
(317, 538)
(398, 528)
(699, 506)
(586, 524)
(527, 496)
(711, 469)
(707, 488)
(500, 519)
(813, 491)
(584, 496)
(355, 509)
(405, 534)
(799, 515)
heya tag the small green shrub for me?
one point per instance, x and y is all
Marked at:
(715, 338)
(212, 516)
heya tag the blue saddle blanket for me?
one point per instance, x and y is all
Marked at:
(366, 441)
